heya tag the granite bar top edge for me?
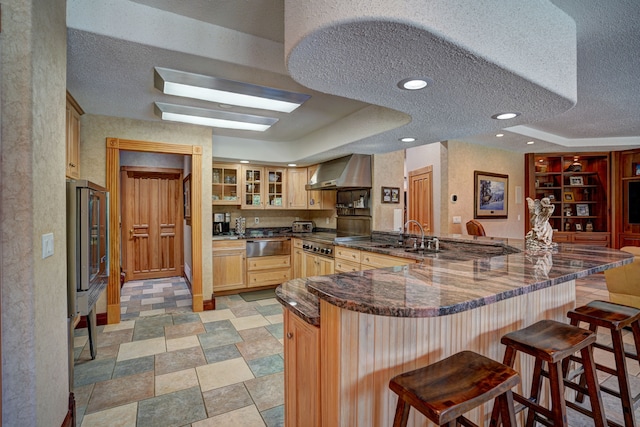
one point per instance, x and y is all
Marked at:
(294, 296)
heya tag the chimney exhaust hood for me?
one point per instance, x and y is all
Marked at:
(352, 171)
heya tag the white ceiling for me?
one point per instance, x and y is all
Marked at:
(569, 66)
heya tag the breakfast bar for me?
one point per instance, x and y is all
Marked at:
(372, 325)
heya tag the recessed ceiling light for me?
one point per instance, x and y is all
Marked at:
(407, 139)
(505, 116)
(292, 165)
(499, 135)
(223, 91)
(213, 118)
(244, 161)
(530, 142)
(414, 83)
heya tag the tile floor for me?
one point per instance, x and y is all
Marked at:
(164, 365)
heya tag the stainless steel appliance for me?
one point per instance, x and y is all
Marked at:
(87, 255)
(302, 226)
(221, 223)
(352, 171)
(268, 247)
(318, 247)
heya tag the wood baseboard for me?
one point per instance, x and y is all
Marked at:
(209, 304)
(101, 319)
(70, 419)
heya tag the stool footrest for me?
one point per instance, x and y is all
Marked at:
(611, 350)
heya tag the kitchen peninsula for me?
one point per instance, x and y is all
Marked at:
(347, 335)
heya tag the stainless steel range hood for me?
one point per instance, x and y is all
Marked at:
(352, 171)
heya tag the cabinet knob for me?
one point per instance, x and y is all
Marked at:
(289, 335)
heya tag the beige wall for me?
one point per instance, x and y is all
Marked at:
(463, 160)
(93, 133)
(388, 171)
(34, 303)
(432, 155)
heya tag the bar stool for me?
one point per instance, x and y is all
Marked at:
(552, 342)
(447, 389)
(614, 317)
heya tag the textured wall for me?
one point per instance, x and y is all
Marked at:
(463, 160)
(388, 171)
(34, 303)
(93, 133)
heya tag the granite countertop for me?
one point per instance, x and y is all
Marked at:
(449, 283)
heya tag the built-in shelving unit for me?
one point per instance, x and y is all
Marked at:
(225, 188)
(578, 186)
(626, 193)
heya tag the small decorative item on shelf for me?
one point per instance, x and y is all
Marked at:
(582, 209)
(576, 180)
(568, 196)
(567, 226)
(589, 226)
(585, 195)
(567, 211)
(578, 227)
(576, 166)
(541, 234)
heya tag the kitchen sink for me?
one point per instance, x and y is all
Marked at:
(386, 246)
(422, 251)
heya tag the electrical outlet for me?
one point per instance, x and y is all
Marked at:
(327, 221)
(47, 245)
(256, 220)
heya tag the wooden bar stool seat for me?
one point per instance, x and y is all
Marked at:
(447, 389)
(614, 317)
(550, 343)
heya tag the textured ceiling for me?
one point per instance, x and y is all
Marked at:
(570, 66)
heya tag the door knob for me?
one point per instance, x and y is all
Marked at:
(289, 335)
(131, 232)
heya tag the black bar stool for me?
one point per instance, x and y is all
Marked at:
(447, 389)
(614, 317)
(552, 342)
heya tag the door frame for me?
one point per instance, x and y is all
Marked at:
(114, 146)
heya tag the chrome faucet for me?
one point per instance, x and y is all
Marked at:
(421, 231)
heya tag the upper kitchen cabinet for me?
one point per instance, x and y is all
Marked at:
(578, 185)
(263, 187)
(225, 184)
(319, 199)
(626, 193)
(73, 138)
(296, 193)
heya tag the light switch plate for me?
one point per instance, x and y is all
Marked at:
(47, 245)
(457, 219)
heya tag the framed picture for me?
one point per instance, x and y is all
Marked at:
(186, 191)
(390, 194)
(490, 195)
(568, 196)
(578, 227)
(576, 180)
(636, 169)
(582, 209)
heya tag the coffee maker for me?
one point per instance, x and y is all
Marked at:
(221, 222)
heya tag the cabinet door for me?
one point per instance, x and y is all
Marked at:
(301, 372)
(310, 267)
(325, 266)
(275, 188)
(298, 263)
(314, 198)
(73, 142)
(297, 195)
(228, 269)
(225, 184)
(253, 190)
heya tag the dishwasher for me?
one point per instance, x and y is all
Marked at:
(268, 262)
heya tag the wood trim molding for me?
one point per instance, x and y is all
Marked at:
(114, 146)
(70, 418)
(101, 319)
(209, 304)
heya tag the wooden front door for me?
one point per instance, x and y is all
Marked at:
(421, 199)
(151, 222)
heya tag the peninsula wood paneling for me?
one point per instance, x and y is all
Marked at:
(362, 352)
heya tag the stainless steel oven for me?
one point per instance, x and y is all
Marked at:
(318, 247)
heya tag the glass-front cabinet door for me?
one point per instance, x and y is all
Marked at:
(225, 184)
(253, 187)
(276, 185)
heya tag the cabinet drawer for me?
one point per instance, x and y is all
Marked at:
(228, 244)
(268, 262)
(590, 237)
(297, 243)
(370, 259)
(271, 277)
(561, 237)
(342, 266)
(347, 254)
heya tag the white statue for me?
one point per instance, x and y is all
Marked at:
(541, 234)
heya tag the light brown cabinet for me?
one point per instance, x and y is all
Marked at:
(73, 138)
(225, 186)
(296, 193)
(229, 265)
(263, 188)
(316, 265)
(297, 259)
(578, 185)
(301, 372)
(347, 260)
(268, 270)
(319, 199)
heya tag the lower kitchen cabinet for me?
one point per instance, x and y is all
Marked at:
(316, 265)
(268, 270)
(370, 260)
(301, 372)
(584, 238)
(297, 259)
(229, 265)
